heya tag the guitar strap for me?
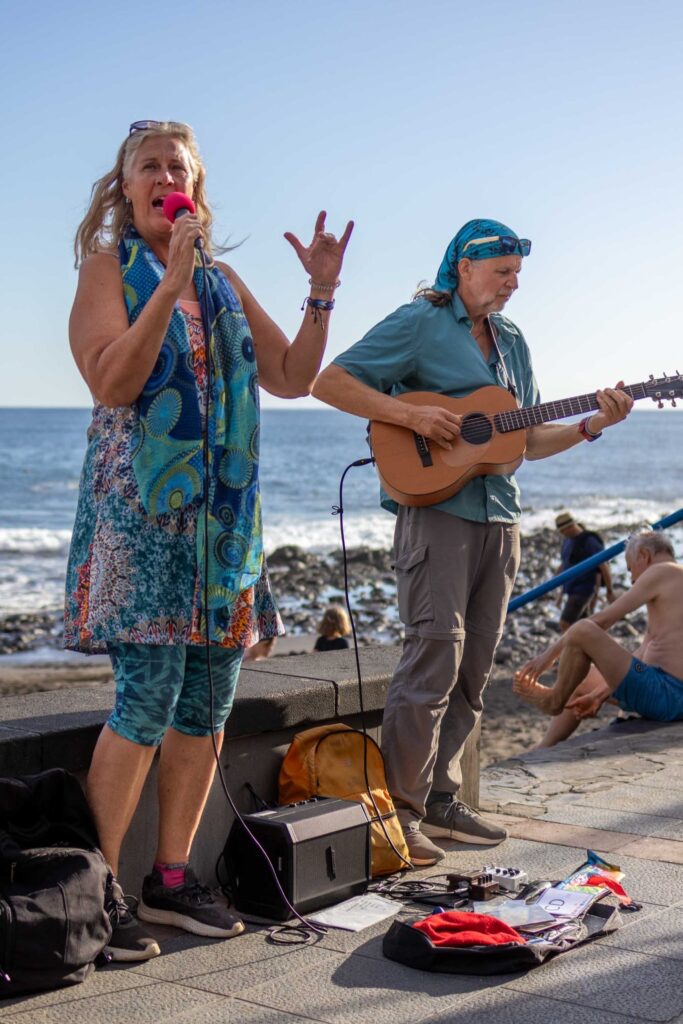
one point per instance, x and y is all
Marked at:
(507, 380)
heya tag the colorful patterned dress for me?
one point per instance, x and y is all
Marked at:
(136, 564)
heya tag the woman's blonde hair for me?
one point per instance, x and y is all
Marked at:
(334, 620)
(109, 213)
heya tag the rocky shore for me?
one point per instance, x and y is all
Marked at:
(305, 583)
(26, 631)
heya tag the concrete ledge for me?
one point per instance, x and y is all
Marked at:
(60, 727)
(333, 674)
(276, 698)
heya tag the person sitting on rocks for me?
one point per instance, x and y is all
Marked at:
(649, 682)
(333, 629)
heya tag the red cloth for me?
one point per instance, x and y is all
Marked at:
(610, 883)
(455, 928)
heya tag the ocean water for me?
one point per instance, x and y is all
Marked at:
(632, 475)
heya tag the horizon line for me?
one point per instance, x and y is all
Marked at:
(320, 407)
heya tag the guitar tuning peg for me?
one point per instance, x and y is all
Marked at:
(660, 404)
(673, 403)
(651, 377)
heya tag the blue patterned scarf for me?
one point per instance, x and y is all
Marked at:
(447, 274)
(168, 456)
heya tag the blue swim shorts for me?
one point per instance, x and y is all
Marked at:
(651, 692)
(162, 686)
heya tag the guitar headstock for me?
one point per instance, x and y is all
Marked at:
(664, 389)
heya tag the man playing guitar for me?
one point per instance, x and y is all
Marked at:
(455, 560)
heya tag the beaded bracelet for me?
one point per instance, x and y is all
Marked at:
(586, 433)
(324, 287)
(318, 307)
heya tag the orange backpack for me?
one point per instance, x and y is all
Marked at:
(328, 761)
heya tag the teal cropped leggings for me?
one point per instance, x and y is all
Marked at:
(162, 686)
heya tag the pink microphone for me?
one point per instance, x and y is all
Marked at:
(175, 205)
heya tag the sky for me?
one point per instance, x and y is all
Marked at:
(561, 119)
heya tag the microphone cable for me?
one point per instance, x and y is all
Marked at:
(301, 933)
(338, 510)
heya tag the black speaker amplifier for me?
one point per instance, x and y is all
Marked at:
(320, 850)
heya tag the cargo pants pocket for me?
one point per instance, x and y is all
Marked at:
(413, 586)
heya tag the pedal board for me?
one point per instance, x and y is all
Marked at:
(512, 879)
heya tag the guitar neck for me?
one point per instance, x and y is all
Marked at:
(517, 419)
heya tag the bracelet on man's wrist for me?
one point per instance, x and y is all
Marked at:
(324, 287)
(586, 433)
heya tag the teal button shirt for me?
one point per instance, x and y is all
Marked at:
(421, 347)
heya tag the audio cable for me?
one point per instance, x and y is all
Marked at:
(338, 510)
(305, 928)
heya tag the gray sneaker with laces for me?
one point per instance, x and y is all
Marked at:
(422, 851)
(455, 820)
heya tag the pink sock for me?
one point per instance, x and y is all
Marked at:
(172, 875)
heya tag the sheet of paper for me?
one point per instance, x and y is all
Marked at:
(357, 913)
(565, 903)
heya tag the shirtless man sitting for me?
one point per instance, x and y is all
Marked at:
(649, 682)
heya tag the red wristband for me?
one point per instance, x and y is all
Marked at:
(587, 434)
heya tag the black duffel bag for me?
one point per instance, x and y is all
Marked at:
(53, 924)
(412, 947)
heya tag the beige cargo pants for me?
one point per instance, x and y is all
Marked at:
(454, 579)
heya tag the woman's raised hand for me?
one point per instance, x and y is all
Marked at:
(323, 258)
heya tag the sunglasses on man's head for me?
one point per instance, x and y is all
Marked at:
(507, 243)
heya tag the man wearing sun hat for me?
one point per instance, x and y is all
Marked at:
(579, 544)
(455, 561)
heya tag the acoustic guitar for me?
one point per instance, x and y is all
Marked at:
(417, 471)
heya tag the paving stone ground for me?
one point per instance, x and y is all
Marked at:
(619, 792)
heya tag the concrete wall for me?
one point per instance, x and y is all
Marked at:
(276, 699)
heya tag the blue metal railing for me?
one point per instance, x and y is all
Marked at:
(586, 565)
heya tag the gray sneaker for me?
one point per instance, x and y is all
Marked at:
(455, 820)
(422, 851)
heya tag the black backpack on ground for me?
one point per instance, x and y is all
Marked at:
(53, 924)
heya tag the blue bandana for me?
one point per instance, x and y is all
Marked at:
(447, 275)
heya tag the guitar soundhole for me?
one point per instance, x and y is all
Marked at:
(476, 428)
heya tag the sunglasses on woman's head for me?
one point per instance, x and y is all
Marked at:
(143, 126)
